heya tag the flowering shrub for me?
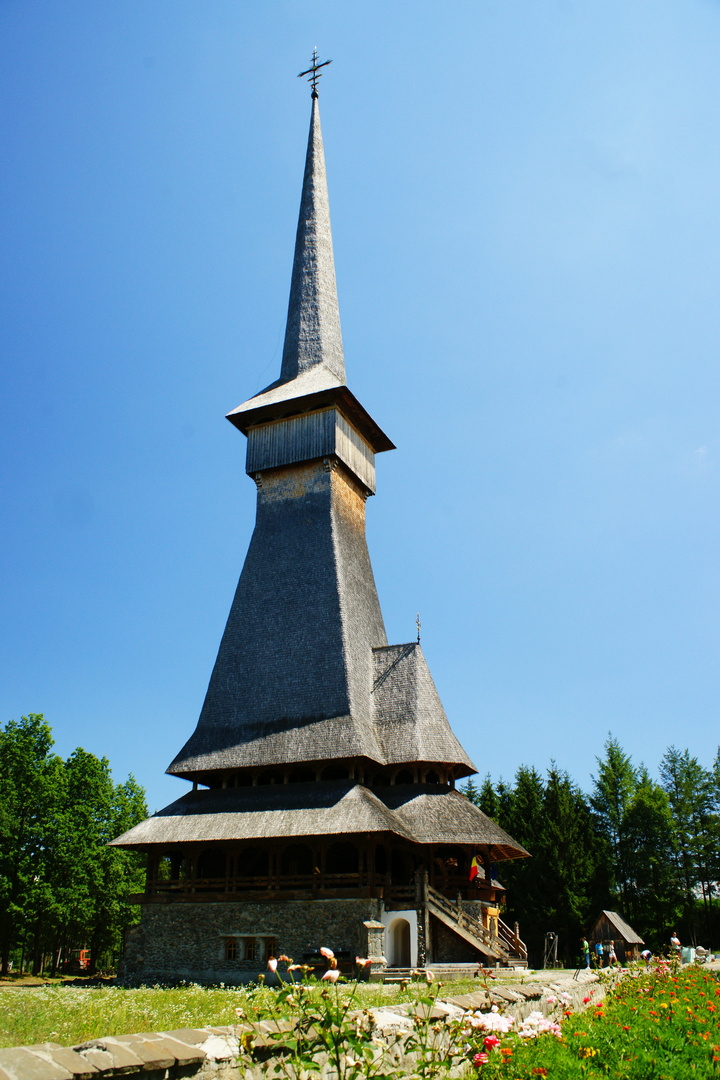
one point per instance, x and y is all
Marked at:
(662, 1024)
(304, 1023)
(492, 1052)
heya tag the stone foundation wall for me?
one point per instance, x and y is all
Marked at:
(452, 949)
(176, 942)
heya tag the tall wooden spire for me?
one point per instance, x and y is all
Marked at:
(312, 337)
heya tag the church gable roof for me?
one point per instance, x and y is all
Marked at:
(436, 816)
(410, 721)
(232, 746)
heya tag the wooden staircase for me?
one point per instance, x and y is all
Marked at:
(504, 945)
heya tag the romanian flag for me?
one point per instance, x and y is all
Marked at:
(473, 868)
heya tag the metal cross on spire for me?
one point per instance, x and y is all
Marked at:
(313, 71)
(418, 624)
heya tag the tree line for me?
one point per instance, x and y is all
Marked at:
(647, 849)
(61, 888)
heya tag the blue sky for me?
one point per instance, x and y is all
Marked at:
(525, 209)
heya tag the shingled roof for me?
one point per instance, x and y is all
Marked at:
(624, 929)
(425, 814)
(410, 721)
(293, 674)
(313, 362)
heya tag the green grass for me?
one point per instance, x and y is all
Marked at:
(72, 1014)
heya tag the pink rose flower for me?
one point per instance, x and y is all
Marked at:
(272, 964)
(327, 953)
(490, 1041)
(331, 976)
(480, 1059)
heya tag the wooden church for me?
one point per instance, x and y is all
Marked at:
(323, 808)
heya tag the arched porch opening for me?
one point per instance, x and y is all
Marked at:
(398, 943)
(296, 861)
(342, 858)
(212, 868)
(252, 866)
(336, 772)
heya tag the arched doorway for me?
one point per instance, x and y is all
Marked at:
(399, 943)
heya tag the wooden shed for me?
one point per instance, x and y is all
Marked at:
(609, 926)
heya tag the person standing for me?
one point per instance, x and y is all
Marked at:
(585, 949)
(675, 944)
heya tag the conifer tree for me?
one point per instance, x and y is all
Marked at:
(487, 799)
(614, 788)
(653, 896)
(689, 788)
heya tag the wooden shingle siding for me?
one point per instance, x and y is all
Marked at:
(299, 439)
(352, 449)
(309, 436)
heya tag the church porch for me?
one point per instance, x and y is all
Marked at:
(325, 867)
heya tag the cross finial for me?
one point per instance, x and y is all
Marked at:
(313, 71)
(418, 624)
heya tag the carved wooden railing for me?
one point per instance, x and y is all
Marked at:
(399, 893)
(258, 882)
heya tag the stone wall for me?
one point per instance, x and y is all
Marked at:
(450, 948)
(176, 942)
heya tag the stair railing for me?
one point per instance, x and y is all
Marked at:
(507, 942)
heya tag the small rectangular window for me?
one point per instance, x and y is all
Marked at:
(270, 948)
(250, 950)
(231, 950)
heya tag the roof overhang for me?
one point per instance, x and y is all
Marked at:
(257, 411)
(423, 814)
